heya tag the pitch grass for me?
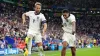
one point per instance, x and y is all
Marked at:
(79, 52)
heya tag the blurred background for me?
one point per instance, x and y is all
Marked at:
(13, 32)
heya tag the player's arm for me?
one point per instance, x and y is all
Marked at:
(73, 27)
(63, 23)
(24, 17)
(73, 24)
(44, 25)
(44, 28)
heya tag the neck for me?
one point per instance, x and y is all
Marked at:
(67, 20)
(37, 13)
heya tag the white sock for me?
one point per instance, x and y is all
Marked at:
(40, 49)
(29, 45)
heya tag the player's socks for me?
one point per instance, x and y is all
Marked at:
(41, 52)
(26, 40)
(25, 52)
(29, 44)
(29, 54)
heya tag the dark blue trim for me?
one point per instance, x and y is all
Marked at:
(44, 21)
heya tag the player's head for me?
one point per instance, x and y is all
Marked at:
(65, 13)
(37, 7)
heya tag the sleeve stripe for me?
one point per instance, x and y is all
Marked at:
(44, 21)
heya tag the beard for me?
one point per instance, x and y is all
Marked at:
(37, 12)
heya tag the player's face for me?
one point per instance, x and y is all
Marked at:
(65, 15)
(37, 8)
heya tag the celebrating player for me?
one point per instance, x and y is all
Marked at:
(69, 32)
(36, 18)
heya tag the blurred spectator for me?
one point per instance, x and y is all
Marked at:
(2, 42)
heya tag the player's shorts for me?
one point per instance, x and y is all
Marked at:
(70, 39)
(37, 36)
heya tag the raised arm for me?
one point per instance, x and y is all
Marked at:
(23, 18)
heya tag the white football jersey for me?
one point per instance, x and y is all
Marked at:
(35, 21)
(67, 23)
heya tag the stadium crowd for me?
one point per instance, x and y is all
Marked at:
(69, 3)
(10, 25)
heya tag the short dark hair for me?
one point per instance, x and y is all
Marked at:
(65, 11)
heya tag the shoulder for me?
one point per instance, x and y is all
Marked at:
(41, 14)
(62, 17)
(29, 12)
(72, 16)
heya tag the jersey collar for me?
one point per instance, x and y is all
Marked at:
(36, 13)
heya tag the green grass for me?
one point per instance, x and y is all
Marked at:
(79, 52)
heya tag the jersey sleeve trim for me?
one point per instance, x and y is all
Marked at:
(44, 21)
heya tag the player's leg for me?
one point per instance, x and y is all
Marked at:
(73, 50)
(63, 52)
(72, 44)
(38, 40)
(40, 48)
(29, 44)
(65, 44)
